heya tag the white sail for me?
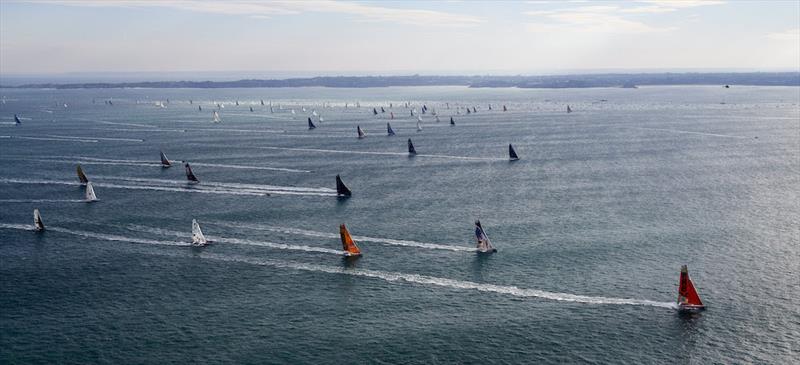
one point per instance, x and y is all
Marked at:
(419, 126)
(37, 221)
(216, 117)
(484, 244)
(197, 235)
(90, 196)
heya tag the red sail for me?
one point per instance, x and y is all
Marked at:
(687, 295)
(347, 242)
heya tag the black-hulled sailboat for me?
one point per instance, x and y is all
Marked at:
(190, 175)
(164, 160)
(411, 150)
(341, 188)
(311, 124)
(512, 155)
(360, 131)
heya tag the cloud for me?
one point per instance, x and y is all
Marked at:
(596, 19)
(267, 9)
(786, 35)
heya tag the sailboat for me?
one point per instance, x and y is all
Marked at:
(16, 119)
(262, 102)
(198, 239)
(490, 106)
(190, 175)
(341, 188)
(569, 110)
(469, 111)
(452, 121)
(164, 160)
(391, 115)
(311, 124)
(389, 130)
(360, 131)
(90, 196)
(484, 244)
(411, 150)
(200, 108)
(512, 155)
(81, 176)
(374, 111)
(419, 126)
(216, 117)
(348, 245)
(251, 109)
(504, 108)
(383, 110)
(437, 119)
(688, 300)
(38, 225)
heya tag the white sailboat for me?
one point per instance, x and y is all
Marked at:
(484, 244)
(90, 196)
(38, 225)
(198, 239)
(216, 117)
(419, 126)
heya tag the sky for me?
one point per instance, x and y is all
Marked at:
(393, 37)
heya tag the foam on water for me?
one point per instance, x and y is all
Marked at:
(383, 153)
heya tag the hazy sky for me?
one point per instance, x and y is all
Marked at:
(383, 36)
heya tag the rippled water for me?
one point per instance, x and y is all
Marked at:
(592, 225)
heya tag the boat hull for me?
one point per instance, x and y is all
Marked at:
(690, 308)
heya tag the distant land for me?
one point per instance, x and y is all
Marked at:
(544, 82)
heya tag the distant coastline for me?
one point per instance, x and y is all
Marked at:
(542, 82)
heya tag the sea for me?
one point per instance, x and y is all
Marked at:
(592, 226)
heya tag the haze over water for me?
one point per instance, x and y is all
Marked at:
(591, 225)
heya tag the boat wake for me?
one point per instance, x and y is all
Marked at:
(98, 138)
(52, 139)
(42, 201)
(255, 188)
(104, 161)
(384, 153)
(360, 239)
(375, 274)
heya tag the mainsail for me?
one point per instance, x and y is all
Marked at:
(389, 129)
(360, 131)
(688, 299)
(37, 221)
(569, 110)
(419, 126)
(90, 196)
(198, 238)
(164, 160)
(341, 188)
(216, 117)
(411, 150)
(452, 121)
(511, 153)
(81, 176)
(16, 119)
(504, 108)
(348, 245)
(374, 111)
(190, 175)
(484, 244)
(311, 124)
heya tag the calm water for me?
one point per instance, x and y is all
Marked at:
(592, 225)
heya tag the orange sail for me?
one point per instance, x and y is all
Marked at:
(348, 244)
(687, 295)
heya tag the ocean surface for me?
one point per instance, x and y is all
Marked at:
(591, 226)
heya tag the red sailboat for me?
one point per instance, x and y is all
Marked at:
(688, 300)
(349, 246)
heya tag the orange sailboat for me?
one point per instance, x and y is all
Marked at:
(349, 246)
(688, 300)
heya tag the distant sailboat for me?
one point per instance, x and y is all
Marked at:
(452, 121)
(688, 300)
(311, 124)
(38, 225)
(569, 110)
(198, 239)
(474, 110)
(262, 101)
(391, 115)
(190, 175)
(200, 108)
(16, 119)
(504, 108)
(360, 131)
(164, 160)
(90, 196)
(469, 111)
(251, 109)
(389, 130)
(216, 117)
(341, 188)
(512, 155)
(490, 106)
(383, 110)
(348, 245)
(419, 126)
(374, 111)
(81, 176)
(484, 244)
(411, 150)
(437, 119)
